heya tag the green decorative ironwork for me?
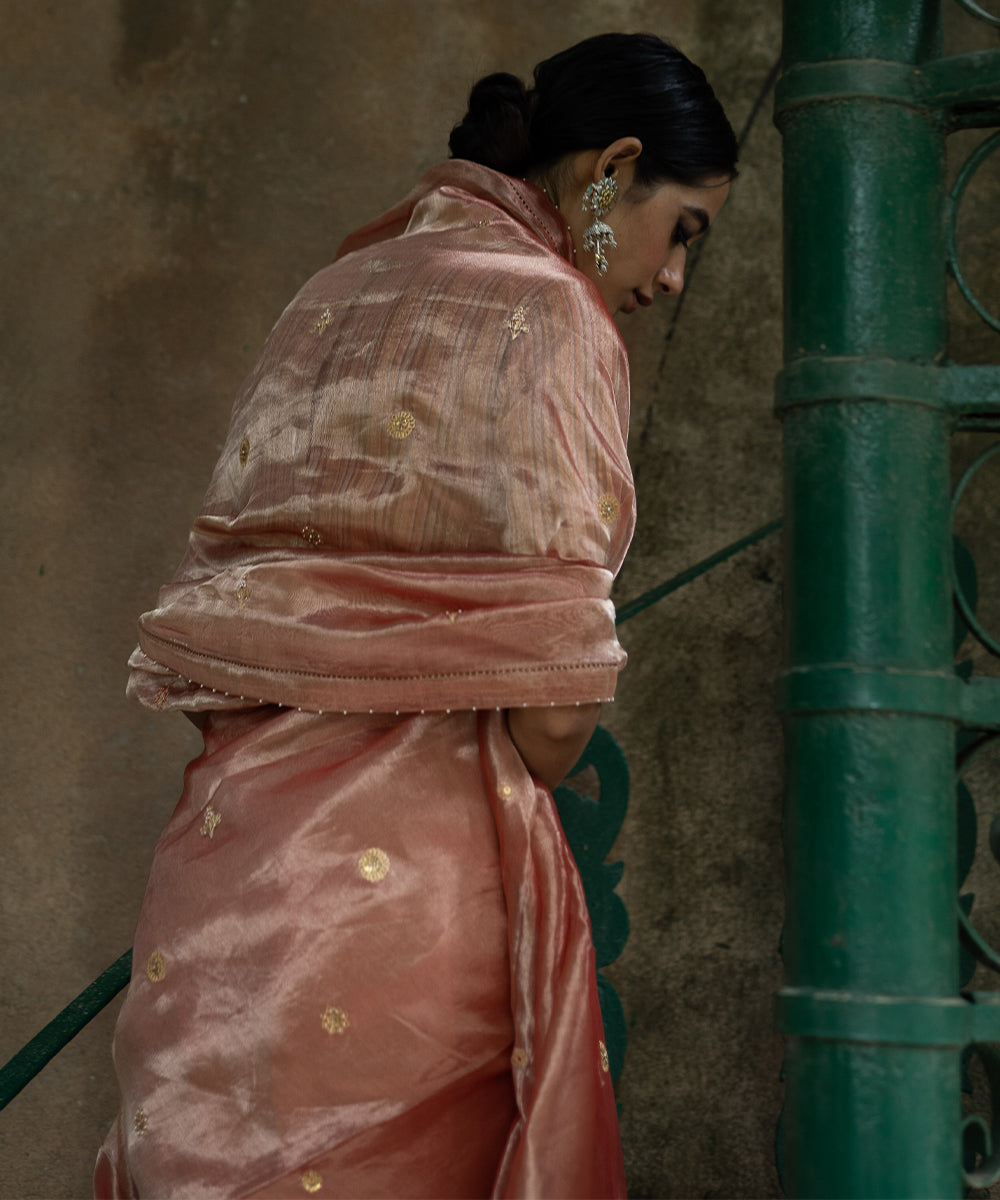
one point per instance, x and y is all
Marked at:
(971, 166)
(965, 602)
(980, 1141)
(977, 10)
(591, 827)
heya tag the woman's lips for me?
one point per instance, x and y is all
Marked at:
(635, 300)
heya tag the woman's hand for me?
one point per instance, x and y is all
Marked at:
(550, 740)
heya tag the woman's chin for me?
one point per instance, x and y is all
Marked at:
(630, 305)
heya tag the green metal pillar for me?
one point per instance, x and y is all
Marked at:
(871, 1010)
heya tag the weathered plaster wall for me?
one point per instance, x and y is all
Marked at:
(171, 174)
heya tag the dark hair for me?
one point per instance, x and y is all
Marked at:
(584, 98)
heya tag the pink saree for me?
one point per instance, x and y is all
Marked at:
(363, 963)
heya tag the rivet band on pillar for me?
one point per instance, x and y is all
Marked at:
(945, 1021)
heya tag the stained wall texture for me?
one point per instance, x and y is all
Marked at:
(171, 174)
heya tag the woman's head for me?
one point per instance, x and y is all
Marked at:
(608, 87)
(623, 107)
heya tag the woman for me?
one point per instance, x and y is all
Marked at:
(363, 962)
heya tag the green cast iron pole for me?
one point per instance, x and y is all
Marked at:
(872, 1068)
(871, 703)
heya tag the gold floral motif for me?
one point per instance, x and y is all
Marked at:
(244, 451)
(312, 1181)
(519, 1058)
(505, 791)
(140, 1122)
(325, 319)
(517, 322)
(156, 966)
(605, 1065)
(373, 865)
(335, 1020)
(212, 818)
(608, 508)
(161, 696)
(243, 593)
(312, 537)
(401, 424)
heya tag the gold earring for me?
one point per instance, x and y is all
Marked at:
(599, 199)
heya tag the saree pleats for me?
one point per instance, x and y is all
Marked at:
(328, 957)
(339, 978)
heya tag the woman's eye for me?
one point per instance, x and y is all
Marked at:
(682, 236)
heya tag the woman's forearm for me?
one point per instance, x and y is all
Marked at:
(550, 740)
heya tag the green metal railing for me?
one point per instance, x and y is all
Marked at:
(872, 704)
(16, 1074)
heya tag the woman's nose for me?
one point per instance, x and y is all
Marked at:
(670, 277)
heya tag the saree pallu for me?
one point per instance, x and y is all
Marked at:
(363, 964)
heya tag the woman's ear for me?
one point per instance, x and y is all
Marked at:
(621, 153)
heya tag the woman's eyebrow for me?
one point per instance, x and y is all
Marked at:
(699, 215)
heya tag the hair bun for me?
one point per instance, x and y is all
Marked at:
(496, 130)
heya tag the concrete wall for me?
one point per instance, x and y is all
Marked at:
(171, 174)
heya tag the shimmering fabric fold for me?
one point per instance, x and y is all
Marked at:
(363, 964)
(390, 632)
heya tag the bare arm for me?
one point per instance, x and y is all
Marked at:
(550, 740)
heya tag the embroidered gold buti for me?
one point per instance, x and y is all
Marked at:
(140, 1122)
(312, 1181)
(517, 322)
(334, 1020)
(379, 266)
(401, 424)
(374, 865)
(312, 537)
(244, 451)
(603, 1050)
(325, 320)
(156, 967)
(608, 508)
(212, 818)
